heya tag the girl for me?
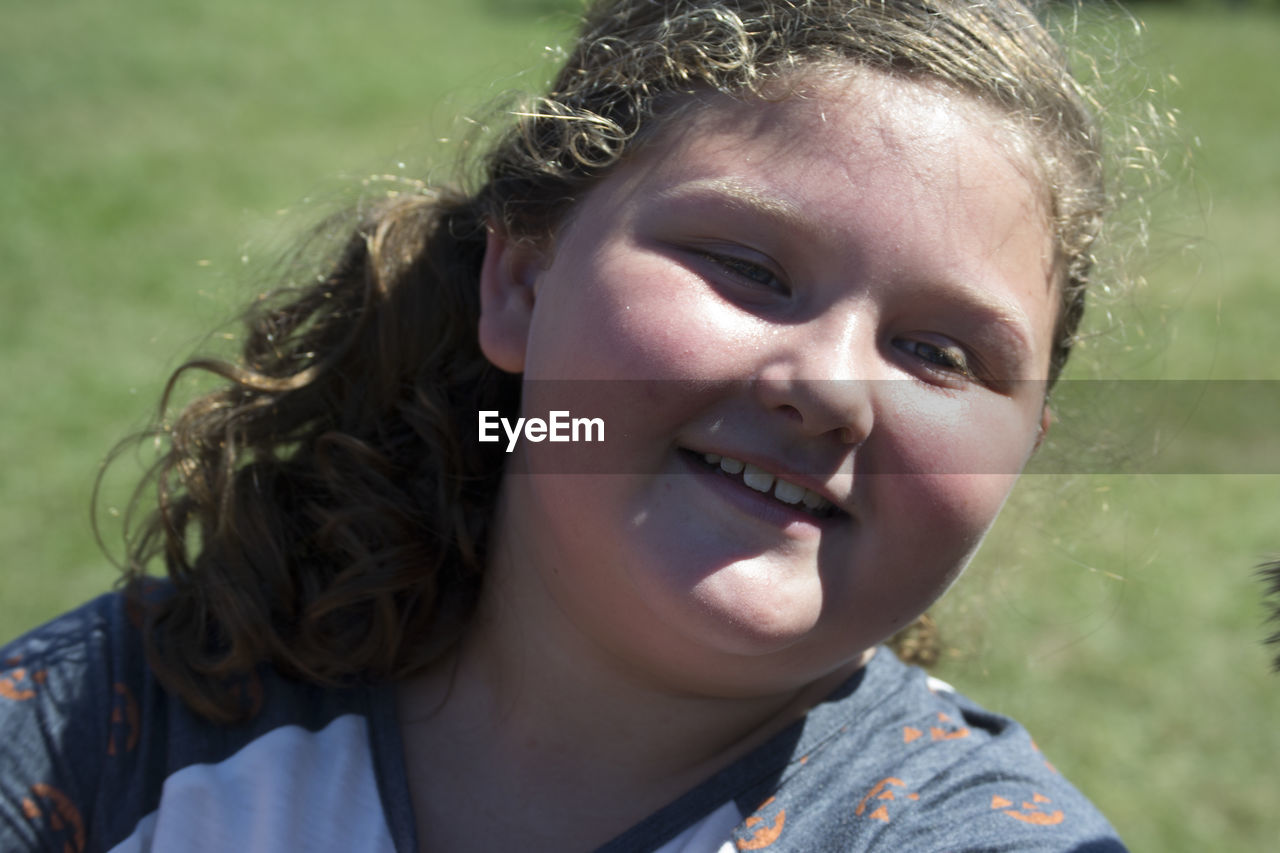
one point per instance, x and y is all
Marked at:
(806, 270)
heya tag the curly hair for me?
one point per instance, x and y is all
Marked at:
(326, 509)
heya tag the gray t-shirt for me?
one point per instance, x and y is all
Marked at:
(96, 756)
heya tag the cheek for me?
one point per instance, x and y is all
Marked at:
(946, 469)
(933, 525)
(660, 330)
(969, 432)
(959, 508)
(631, 314)
(957, 495)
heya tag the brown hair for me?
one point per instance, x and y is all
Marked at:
(326, 509)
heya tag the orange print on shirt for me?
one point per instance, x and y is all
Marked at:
(767, 833)
(1031, 812)
(944, 731)
(883, 791)
(950, 732)
(1047, 763)
(51, 807)
(125, 726)
(21, 684)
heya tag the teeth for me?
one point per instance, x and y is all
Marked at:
(763, 481)
(756, 478)
(790, 493)
(731, 466)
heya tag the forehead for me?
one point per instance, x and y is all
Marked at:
(852, 142)
(851, 122)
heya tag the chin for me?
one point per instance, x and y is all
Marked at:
(745, 610)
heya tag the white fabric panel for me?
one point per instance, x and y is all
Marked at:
(937, 685)
(712, 834)
(289, 790)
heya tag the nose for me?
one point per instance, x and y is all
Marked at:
(824, 379)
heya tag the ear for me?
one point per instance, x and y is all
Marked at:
(507, 290)
(1046, 421)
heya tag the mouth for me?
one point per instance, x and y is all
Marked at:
(791, 495)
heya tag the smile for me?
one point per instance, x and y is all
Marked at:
(794, 496)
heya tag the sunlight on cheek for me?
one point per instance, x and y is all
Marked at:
(991, 436)
(962, 507)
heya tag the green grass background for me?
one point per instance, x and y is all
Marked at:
(154, 155)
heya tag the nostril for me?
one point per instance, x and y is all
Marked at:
(791, 412)
(848, 435)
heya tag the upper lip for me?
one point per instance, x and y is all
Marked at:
(783, 470)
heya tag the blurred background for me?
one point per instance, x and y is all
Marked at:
(156, 156)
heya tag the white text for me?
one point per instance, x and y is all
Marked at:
(559, 426)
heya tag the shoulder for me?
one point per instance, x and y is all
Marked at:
(902, 762)
(68, 704)
(97, 754)
(55, 676)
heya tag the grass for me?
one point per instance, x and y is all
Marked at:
(1118, 617)
(147, 149)
(155, 155)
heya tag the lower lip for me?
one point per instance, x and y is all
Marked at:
(757, 505)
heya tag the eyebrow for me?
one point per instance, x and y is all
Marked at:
(741, 195)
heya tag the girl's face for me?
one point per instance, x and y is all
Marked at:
(850, 290)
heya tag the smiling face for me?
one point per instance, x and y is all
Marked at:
(845, 290)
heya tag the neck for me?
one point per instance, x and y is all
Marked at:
(548, 696)
(530, 716)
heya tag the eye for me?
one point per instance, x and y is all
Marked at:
(945, 357)
(749, 271)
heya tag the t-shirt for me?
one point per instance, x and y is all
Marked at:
(96, 756)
